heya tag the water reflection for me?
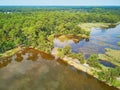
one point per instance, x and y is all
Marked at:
(25, 54)
(107, 64)
(31, 69)
(98, 41)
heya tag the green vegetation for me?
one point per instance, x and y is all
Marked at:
(37, 27)
(9, 53)
(77, 56)
(93, 61)
(88, 26)
(118, 43)
(66, 51)
(107, 74)
(112, 56)
(110, 75)
(75, 38)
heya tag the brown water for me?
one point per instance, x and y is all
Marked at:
(31, 69)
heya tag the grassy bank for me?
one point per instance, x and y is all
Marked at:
(112, 56)
(9, 53)
(91, 66)
(88, 26)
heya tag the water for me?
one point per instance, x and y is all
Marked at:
(98, 41)
(107, 64)
(31, 69)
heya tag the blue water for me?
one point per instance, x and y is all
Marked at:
(107, 64)
(99, 40)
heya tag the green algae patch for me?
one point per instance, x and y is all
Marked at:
(111, 55)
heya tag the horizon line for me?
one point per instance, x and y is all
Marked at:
(59, 5)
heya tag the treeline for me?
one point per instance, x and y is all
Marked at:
(100, 9)
(37, 28)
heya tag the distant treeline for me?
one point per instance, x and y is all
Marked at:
(113, 9)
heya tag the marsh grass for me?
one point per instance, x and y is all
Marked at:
(112, 56)
(88, 26)
(9, 53)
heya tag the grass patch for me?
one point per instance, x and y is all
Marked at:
(88, 26)
(9, 53)
(112, 56)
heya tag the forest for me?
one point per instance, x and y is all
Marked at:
(37, 27)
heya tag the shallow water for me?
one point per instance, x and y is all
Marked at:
(98, 41)
(31, 69)
(107, 64)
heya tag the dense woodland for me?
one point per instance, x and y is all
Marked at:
(37, 26)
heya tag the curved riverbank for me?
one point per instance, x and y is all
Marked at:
(73, 62)
(82, 67)
(29, 65)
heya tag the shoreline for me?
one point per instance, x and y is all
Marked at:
(10, 52)
(86, 69)
(89, 26)
(82, 67)
(69, 60)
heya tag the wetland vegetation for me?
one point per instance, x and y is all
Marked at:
(78, 36)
